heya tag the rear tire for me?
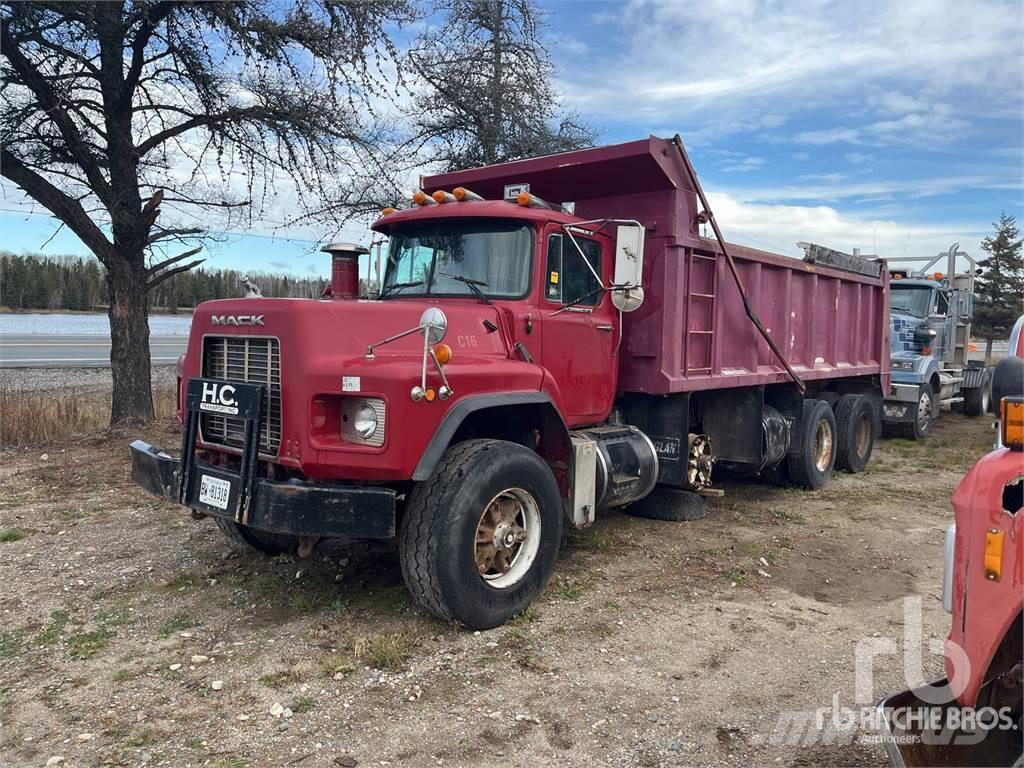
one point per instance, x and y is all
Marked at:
(977, 399)
(855, 432)
(479, 539)
(924, 414)
(671, 504)
(811, 465)
(250, 540)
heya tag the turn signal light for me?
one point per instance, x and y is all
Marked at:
(993, 554)
(462, 194)
(1011, 422)
(443, 353)
(444, 197)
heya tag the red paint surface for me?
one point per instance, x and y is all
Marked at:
(983, 610)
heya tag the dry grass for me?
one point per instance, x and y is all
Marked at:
(32, 417)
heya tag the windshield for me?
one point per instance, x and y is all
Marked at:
(459, 258)
(913, 299)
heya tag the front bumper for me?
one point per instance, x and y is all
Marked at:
(294, 508)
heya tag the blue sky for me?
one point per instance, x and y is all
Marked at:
(893, 127)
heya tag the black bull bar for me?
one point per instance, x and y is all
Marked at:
(292, 507)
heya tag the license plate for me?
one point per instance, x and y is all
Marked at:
(214, 491)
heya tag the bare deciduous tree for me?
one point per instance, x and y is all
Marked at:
(134, 122)
(488, 96)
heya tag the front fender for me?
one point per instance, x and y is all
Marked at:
(467, 406)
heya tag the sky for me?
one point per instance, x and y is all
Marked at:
(892, 127)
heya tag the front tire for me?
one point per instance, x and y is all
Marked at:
(924, 414)
(479, 539)
(855, 432)
(811, 466)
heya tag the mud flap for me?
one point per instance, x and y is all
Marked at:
(918, 734)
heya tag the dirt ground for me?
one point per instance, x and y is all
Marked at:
(131, 634)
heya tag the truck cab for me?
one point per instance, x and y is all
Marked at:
(930, 323)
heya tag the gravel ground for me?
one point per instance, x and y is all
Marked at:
(76, 379)
(131, 634)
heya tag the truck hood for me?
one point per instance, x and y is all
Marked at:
(346, 328)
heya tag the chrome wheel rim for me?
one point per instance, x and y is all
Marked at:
(924, 411)
(823, 446)
(507, 538)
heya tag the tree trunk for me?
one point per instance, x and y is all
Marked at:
(129, 343)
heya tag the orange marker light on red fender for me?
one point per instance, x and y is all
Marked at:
(1011, 422)
(443, 353)
(429, 395)
(993, 554)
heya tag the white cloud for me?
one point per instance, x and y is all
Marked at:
(858, 158)
(726, 62)
(745, 165)
(779, 227)
(831, 190)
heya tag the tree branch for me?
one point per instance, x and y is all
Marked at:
(162, 277)
(65, 208)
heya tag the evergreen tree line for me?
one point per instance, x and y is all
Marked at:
(34, 281)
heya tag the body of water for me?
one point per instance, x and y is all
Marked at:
(61, 324)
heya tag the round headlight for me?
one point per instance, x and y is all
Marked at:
(366, 421)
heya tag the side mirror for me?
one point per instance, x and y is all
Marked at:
(629, 267)
(434, 325)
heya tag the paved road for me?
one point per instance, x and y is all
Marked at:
(38, 351)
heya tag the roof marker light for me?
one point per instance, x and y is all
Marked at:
(528, 200)
(462, 195)
(421, 198)
(388, 211)
(440, 196)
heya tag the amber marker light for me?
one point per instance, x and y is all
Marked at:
(388, 211)
(462, 194)
(1011, 422)
(430, 395)
(993, 554)
(443, 353)
(422, 198)
(444, 197)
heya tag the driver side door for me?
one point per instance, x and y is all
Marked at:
(579, 342)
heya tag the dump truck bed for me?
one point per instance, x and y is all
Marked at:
(692, 332)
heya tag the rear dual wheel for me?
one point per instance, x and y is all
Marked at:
(810, 466)
(855, 432)
(479, 539)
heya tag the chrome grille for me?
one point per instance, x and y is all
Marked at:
(252, 360)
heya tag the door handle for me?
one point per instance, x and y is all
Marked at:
(606, 327)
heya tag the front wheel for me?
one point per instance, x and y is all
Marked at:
(924, 414)
(479, 539)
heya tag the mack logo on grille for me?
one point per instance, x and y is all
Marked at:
(237, 320)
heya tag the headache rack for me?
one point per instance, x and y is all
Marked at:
(251, 359)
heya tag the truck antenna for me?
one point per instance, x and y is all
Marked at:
(710, 217)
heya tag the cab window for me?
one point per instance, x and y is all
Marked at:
(568, 279)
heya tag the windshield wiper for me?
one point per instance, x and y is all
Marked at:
(396, 286)
(474, 285)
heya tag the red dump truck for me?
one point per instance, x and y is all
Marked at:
(552, 337)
